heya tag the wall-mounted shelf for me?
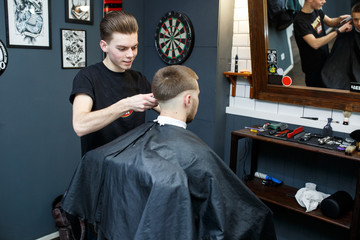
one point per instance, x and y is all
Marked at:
(283, 195)
(232, 76)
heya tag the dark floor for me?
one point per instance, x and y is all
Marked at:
(296, 74)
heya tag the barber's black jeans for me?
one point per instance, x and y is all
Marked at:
(314, 79)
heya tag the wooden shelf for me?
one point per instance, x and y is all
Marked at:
(232, 76)
(247, 134)
(284, 196)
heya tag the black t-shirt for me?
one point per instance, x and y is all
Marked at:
(312, 60)
(105, 88)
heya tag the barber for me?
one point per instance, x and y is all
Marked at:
(108, 98)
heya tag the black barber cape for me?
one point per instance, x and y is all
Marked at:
(163, 182)
(343, 63)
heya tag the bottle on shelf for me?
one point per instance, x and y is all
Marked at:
(236, 63)
(327, 130)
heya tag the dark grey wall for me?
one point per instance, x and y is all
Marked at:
(208, 59)
(279, 40)
(38, 149)
(336, 8)
(203, 60)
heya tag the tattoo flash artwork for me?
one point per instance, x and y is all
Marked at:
(28, 16)
(80, 10)
(28, 23)
(73, 48)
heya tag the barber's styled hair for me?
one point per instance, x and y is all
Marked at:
(356, 8)
(170, 81)
(117, 21)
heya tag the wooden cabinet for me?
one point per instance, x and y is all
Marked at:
(284, 195)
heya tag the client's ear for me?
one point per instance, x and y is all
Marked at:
(187, 100)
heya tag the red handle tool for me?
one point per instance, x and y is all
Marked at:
(296, 131)
(282, 133)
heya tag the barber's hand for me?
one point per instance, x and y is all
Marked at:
(342, 17)
(347, 27)
(142, 102)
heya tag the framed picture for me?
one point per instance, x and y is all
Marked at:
(112, 5)
(79, 11)
(28, 23)
(73, 48)
(3, 57)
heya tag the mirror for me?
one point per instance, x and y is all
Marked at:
(300, 95)
(282, 39)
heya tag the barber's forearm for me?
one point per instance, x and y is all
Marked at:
(326, 39)
(317, 43)
(86, 121)
(89, 122)
(335, 22)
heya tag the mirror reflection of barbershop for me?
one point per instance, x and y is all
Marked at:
(39, 150)
(282, 38)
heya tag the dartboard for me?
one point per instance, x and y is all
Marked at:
(174, 37)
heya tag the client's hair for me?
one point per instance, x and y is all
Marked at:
(170, 81)
(356, 8)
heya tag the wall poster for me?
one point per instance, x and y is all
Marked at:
(28, 23)
(112, 5)
(79, 11)
(73, 48)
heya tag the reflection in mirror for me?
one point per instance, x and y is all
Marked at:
(298, 95)
(281, 38)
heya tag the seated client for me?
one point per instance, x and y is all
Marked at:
(343, 65)
(161, 181)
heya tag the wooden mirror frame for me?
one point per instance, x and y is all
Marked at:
(308, 96)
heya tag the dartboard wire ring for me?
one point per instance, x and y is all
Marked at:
(174, 37)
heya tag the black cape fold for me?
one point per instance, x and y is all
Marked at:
(343, 64)
(163, 182)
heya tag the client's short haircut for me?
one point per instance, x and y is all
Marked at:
(168, 82)
(356, 8)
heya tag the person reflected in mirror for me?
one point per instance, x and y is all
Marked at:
(312, 40)
(343, 64)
